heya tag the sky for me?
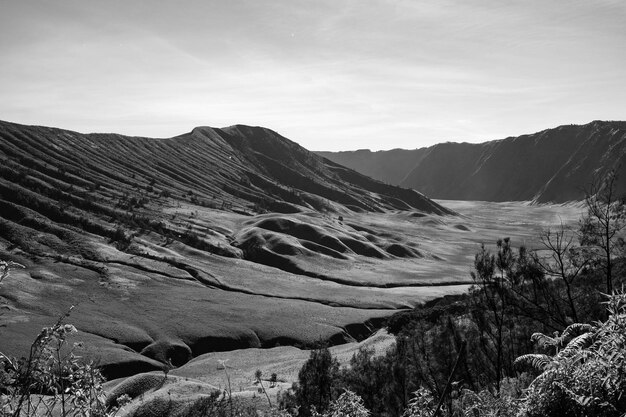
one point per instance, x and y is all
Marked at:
(328, 74)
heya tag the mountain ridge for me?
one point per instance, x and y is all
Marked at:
(213, 240)
(237, 172)
(553, 165)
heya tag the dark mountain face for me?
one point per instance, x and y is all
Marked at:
(390, 166)
(554, 165)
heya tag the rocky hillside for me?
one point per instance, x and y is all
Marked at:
(239, 167)
(214, 240)
(553, 165)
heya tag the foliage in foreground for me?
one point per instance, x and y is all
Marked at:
(52, 380)
(582, 372)
(587, 374)
(347, 405)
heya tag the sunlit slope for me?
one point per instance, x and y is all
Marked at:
(173, 248)
(214, 240)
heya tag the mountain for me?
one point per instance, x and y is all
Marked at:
(390, 166)
(554, 165)
(214, 240)
(235, 167)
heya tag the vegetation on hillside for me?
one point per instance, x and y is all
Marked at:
(94, 210)
(52, 380)
(540, 333)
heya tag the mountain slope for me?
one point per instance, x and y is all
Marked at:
(214, 240)
(388, 166)
(554, 165)
(243, 165)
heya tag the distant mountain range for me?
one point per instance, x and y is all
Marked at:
(554, 165)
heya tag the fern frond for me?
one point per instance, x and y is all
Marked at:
(535, 360)
(543, 340)
(574, 330)
(576, 345)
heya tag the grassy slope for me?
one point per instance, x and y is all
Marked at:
(160, 245)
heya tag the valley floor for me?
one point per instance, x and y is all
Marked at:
(164, 299)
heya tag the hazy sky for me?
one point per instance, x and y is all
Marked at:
(331, 75)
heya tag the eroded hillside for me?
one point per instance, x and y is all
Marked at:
(554, 165)
(213, 240)
(216, 240)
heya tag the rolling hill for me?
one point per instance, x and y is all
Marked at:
(554, 165)
(214, 240)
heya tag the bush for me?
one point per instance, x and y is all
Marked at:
(316, 382)
(52, 380)
(347, 405)
(421, 405)
(587, 375)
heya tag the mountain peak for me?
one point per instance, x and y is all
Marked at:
(244, 165)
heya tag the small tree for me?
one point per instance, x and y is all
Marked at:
(316, 382)
(491, 301)
(257, 375)
(564, 262)
(601, 227)
(510, 293)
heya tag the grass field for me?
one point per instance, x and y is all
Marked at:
(167, 298)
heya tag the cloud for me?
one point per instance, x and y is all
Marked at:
(328, 74)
